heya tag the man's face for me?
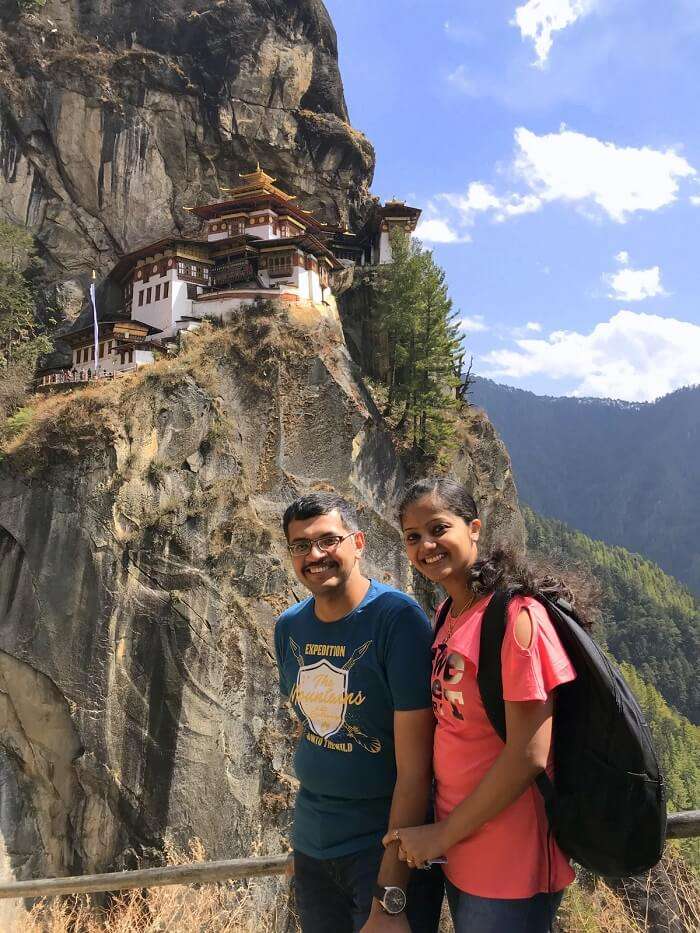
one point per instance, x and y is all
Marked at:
(325, 572)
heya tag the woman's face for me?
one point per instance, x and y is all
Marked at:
(439, 543)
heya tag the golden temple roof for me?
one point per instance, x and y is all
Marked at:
(257, 182)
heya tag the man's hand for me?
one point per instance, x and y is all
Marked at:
(418, 844)
(379, 921)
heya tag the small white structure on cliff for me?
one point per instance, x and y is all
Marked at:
(394, 215)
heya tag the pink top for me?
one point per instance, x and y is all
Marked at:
(507, 857)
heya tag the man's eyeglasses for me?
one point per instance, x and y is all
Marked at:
(325, 544)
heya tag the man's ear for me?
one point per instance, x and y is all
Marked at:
(360, 542)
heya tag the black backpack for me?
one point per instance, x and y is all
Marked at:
(607, 806)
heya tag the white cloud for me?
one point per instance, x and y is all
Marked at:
(569, 166)
(438, 230)
(623, 257)
(481, 198)
(473, 324)
(539, 19)
(534, 326)
(633, 356)
(635, 284)
(460, 80)
(695, 200)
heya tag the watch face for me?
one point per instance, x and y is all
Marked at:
(394, 900)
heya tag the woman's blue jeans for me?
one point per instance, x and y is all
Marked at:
(471, 914)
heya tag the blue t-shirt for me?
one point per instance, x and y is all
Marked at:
(345, 679)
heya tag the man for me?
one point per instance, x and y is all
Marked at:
(354, 660)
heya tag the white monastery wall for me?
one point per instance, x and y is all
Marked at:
(384, 248)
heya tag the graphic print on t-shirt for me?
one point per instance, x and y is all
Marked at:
(448, 671)
(322, 694)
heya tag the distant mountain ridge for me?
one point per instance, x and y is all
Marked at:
(623, 472)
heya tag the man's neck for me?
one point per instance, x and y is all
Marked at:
(333, 606)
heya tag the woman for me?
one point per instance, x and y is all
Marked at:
(504, 872)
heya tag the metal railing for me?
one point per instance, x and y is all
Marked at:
(680, 826)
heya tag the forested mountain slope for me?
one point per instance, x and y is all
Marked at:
(677, 744)
(650, 620)
(623, 473)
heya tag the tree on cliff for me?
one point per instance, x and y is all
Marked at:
(22, 339)
(415, 315)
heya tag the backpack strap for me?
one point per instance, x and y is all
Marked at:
(493, 630)
(442, 617)
(489, 676)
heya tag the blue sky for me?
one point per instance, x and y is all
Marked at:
(554, 146)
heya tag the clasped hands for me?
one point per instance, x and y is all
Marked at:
(418, 845)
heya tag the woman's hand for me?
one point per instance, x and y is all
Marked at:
(418, 844)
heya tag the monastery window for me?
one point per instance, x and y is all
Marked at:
(141, 297)
(191, 291)
(192, 270)
(280, 265)
(157, 292)
(149, 292)
(166, 289)
(130, 356)
(237, 227)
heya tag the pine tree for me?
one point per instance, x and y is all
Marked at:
(22, 339)
(415, 315)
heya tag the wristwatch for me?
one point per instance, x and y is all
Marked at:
(392, 899)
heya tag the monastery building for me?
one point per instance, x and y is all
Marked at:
(256, 244)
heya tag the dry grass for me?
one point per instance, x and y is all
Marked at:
(597, 911)
(233, 907)
(668, 899)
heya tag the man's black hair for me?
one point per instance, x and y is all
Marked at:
(320, 503)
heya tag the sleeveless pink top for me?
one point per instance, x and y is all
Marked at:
(512, 855)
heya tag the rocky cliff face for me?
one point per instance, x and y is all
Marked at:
(116, 116)
(142, 567)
